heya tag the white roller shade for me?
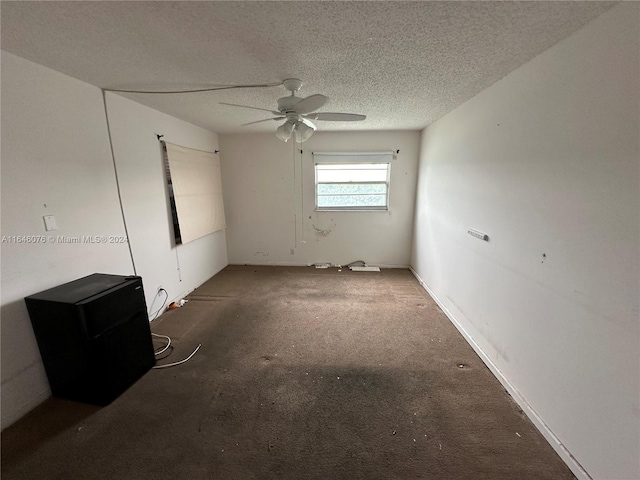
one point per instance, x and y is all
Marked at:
(197, 188)
(352, 157)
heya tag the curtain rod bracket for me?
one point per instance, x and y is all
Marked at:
(159, 136)
(216, 151)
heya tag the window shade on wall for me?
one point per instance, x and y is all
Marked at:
(197, 188)
(352, 157)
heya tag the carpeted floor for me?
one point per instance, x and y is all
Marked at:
(303, 374)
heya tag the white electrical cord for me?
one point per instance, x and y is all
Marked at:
(166, 347)
(195, 90)
(157, 312)
(168, 339)
(181, 361)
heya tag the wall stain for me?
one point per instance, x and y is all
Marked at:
(323, 232)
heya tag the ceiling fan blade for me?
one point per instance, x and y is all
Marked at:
(263, 120)
(309, 104)
(252, 108)
(336, 117)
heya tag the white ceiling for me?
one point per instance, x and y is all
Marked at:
(403, 64)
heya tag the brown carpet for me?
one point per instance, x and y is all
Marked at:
(303, 374)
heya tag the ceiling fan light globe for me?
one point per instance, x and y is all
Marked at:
(303, 132)
(284, 131)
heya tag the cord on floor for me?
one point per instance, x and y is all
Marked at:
(168, 346)
(181, 361)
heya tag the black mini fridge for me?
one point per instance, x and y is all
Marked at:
(93, 335)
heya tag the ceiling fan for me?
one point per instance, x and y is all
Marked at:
(299, 112)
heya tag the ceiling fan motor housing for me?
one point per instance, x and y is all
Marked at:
(293, 118)
(286, 104)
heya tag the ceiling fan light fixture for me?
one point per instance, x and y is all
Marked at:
(284, 131)
(304, 132)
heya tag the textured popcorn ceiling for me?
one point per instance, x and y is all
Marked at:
(403, 64)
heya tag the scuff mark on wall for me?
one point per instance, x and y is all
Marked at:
(323, 232)
(260, 252)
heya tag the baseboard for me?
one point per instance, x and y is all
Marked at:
(292, 264)
(548, 434)
(188, 291)
(268, 264)
(16, 415)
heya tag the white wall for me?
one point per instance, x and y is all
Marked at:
(146, 204)
(271, 217)
(55, 151)
(547, 163)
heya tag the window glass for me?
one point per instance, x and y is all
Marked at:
(358, 186)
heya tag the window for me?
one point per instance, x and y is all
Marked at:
(352, 181)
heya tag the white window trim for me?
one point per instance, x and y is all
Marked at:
(352, 157)
(341, 158)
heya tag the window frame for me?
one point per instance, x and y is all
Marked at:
(354, 208)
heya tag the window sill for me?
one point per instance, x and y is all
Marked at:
(353, 209)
